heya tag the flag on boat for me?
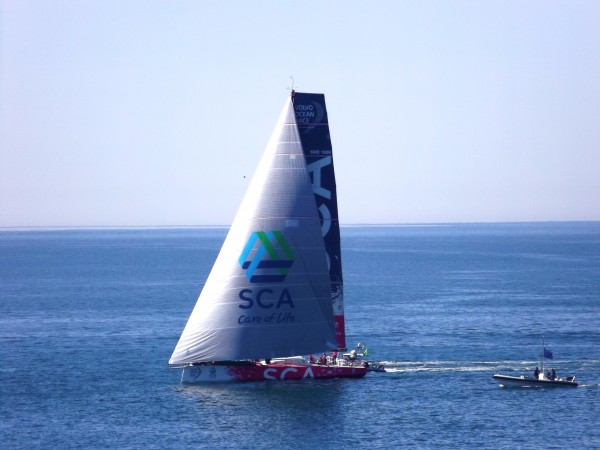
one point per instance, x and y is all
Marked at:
(366, 352)
(548, 354)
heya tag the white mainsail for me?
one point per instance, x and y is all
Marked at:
(269, 292)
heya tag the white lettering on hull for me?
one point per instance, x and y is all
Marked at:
(271, 373)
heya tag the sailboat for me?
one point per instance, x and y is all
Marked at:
(275, 290)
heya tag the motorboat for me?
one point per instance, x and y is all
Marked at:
(541, 381)
(539, 378)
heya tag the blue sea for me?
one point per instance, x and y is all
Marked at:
(89, 318)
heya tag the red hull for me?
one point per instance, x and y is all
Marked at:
(264, 372)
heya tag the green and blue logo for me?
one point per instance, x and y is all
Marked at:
(270, 261)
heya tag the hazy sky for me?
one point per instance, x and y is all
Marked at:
(132, 113)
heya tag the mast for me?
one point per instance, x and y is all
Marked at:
(313, 128)
(543, 347)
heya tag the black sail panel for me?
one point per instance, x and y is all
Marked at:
(313, 128)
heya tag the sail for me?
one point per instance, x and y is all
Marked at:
(268, 293)
(313, 126)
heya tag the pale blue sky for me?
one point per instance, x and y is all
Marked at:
(134, 113)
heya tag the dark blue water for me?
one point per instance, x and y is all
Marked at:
(88, 320)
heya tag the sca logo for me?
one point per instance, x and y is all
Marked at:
(266, 257)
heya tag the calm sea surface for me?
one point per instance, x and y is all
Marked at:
(89, 318)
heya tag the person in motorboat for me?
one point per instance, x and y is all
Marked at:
(536, 374)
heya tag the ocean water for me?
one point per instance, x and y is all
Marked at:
(89, 318)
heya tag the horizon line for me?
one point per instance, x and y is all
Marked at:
(343, 225)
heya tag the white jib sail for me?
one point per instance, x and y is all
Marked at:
(268, 293)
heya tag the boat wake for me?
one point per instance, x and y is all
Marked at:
(443, 366)
(408, 367)
(589, 386)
